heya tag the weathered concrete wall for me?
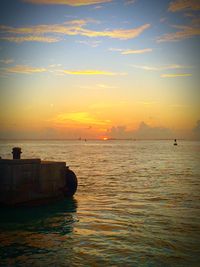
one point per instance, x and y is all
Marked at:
(52, 177)
(29, 180)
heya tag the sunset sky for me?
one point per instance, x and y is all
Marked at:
(99, 68)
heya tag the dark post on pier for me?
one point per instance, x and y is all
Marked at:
(16, 151)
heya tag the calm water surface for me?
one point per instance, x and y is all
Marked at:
(137, 204)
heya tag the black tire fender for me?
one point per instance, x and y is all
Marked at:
(71, 182)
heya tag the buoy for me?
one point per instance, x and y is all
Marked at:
(71, 183)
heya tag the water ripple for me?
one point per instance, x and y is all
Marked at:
(137, 204)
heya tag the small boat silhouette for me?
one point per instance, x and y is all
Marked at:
(175, 143)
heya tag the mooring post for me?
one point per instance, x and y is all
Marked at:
(16, 151)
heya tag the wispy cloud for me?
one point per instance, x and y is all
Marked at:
(24, 69)
(22, 39)
(98, 7)
(189, 30)
(55, 65)
(92, 72)
(67, 2)
(116, 49)
(71, 28)
(174, 75)
(90, 43)
(161, 68)
(68, 27)
(196, 129)
(6, 61)
(179, 5)
(186, 32)
(124, 34)
(131, 51)
(165, 68)
(81, 118)
(130, 2)
(140, 51)
(57, 70)
(106, 86)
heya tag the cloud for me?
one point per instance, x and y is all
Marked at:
(70, 28)
(6, 61)
(25, 69)
(175, 75)
(22, 39)
(67, 2)
(80, 118)
(144, 131)
(106, 86)
(55, 65)
(130, 2)
(91, 72)
(185, 33)
(141, 51)
(131, 51)
(90, 43)
(97, 7)
(116, 49)
(148, 132)
(180, 5)
(192, 28)
(119, 132)
(161, 68)
(122, 34)
(196, 129)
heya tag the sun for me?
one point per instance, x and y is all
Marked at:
(105, 138)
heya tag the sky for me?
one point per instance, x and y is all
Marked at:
(99, 69)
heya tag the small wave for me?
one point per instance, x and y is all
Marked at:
(156, 199)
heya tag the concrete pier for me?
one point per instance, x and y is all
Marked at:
(32, 181)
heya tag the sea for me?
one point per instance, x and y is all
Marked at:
(137, 204)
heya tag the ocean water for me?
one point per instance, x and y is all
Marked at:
(137, 204)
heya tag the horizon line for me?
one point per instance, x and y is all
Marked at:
(95, 139)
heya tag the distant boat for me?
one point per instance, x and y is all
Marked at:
(175, 143)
